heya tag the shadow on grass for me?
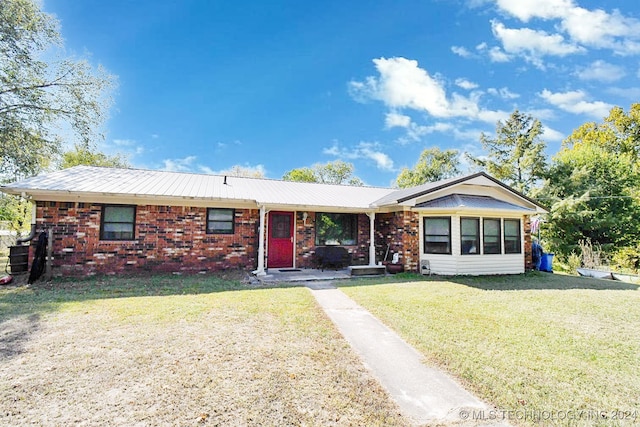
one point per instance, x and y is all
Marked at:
(518, 282)
(22, 305)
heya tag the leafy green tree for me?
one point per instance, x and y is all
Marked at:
(433, 165)
(16, 212)
(516, 154)
(336, 172)
(39, 95)
(301, 175)
(592, 187)
(83, 155)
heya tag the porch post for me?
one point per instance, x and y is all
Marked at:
(372, 243)
(260, 270)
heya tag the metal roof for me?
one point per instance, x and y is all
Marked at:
(150, 183)
(90, 181)
(457, 201)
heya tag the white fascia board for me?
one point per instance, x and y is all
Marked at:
(137, 199)
(486, 213)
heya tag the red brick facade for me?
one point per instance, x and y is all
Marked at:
(400, 231)
(167, 239)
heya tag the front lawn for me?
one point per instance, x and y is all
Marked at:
(178, 351)
(537, 344)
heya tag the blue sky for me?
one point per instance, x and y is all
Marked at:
(277, 85)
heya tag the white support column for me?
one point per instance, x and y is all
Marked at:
(261, 238)
(372, 243)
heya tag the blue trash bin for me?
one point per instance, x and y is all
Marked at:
(546, 262)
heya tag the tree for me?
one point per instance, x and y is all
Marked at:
(433, 165)
(16, 212)
(244, 171)
(516, 154)
(38, 96)
(592, 187)
(336, 172)
(84, 155)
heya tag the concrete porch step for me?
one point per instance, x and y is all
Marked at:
(367, 270)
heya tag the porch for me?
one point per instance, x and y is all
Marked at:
(275, 275)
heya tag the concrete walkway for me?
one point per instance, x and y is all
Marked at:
(424, 394)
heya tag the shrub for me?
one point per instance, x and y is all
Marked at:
(627, 258)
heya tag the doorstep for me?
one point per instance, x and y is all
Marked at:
(367, 270)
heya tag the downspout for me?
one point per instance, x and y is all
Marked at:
(32, 234)
(260, 270)
(372, 244)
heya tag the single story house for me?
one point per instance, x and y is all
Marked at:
(108, 220)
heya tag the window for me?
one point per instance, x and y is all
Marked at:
(469, 236)
(491, 236)
(118, 222)
(512, 236)
(220, 221)
(437, 235)
(336, 229)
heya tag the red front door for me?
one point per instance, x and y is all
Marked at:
(280, 253)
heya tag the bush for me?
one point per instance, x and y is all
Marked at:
(627, 258)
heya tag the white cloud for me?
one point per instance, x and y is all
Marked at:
(179, 165)
(461, 51)
(601, 71)
(545, 9)
(123, 142)
(552, 135)
(594, 28)
(466, 84)
(503, 93)
(396, 120)
(415, 132)
(543, 113)
(364, 150)
(498, 55)
(598, 28)
(403, 84)
(574, 102)
(627, 92)
(532, 44)
(495, 53)
(125, 147)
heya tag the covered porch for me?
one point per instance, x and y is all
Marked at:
(293, 275)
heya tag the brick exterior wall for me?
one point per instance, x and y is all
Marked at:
(167, 239)
(528, 254)
(399, 230)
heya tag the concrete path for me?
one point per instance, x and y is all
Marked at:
(424, 394)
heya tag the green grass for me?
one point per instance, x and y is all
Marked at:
(178, 350)
(538, 342)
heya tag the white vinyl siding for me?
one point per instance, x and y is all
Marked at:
(483, 264)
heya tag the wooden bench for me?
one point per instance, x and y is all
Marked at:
(331, 257)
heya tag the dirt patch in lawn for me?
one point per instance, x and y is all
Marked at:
(237, 357)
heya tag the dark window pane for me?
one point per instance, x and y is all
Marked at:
(512, 236)
(491, 236)
(220, 221)
(118, 213)
(118, 222)
(469, 236)
(336, 229)
(437, 235)
(281, 226)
